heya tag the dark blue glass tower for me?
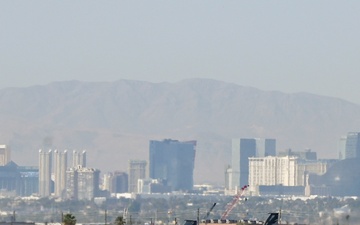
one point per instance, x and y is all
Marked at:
(172, 162)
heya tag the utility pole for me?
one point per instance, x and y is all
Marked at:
(125, 215)
(280, 216)
(105, 216)
(198, 216)
(156, 214)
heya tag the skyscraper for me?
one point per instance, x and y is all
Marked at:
(9, 179)
(352, 145)
(29, 180)
(116, 182)
(79, 159)
(60, 166)
(119, 182)
(307, 154)
(272, 170)
(71, 183)
(45, 164)
(288, 170)
(82, 183)
(228, 178)
(137, 170)
(172, 162)
(265, 147)
(242, 149)
(88, 183)
(342, 147)
(4, 155)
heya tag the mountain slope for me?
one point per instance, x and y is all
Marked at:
(115, 120)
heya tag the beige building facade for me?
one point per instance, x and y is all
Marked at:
(285, 171)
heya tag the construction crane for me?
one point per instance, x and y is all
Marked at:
(230, 206)
(208, 212)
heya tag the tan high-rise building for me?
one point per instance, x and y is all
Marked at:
(272, 170)
(4, 155)
(60, 166)
(137, 170)
(79, 159)
(45, 173)
(82, 183)
(282, 170)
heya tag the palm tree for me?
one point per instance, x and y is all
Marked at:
(119, 220)
(69, 219)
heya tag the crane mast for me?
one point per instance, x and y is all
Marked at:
(232, 204)
(208, 212)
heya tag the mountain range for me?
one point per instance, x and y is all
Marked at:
(114, 121)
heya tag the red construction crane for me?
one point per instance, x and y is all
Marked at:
(233, 203)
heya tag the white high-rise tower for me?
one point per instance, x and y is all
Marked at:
(4, 155)
(60, 166)
(79, 159)
(137, 170)
(45, 173)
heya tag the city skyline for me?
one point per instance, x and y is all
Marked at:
(145, 112)
(255, 162)
(63, 181)
(54, 162)
(211, 112)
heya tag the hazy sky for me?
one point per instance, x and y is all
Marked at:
(290, 46)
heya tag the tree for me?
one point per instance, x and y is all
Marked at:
(119, 220)
(69, 219)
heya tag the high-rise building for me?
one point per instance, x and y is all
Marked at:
(119, 182)
(9, 180)
(71, 183)
(82, 183)
(29, 180)
(106, 181)
(79, 159)
(5, 157)
(137, 170)
(57, 170)
(242, 149)
(342, 148)
(352, 145)
(18, 180)
(282, 170)
(228, 181)
(45, 158)
(172, 162)
(318, 167)
(307, 154)
(265, 147)
(151, 186)
(60, 166)
(88, 183)
(272, 170)
(116, 182)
